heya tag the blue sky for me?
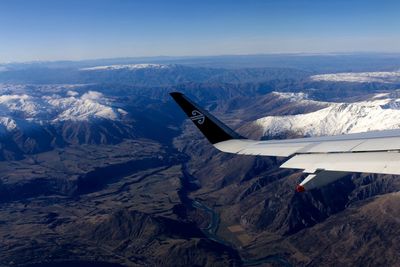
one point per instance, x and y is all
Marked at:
(72, 29)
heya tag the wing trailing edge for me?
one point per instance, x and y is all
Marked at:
(325, 159)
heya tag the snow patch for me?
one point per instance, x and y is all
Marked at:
(382, 95)
(7, 124)
(128, 67)
(122, 112)
(300, 98)
(72, 93)
(92, 95)
(293, 97)
(360, 77)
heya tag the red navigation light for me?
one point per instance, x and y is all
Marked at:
(300, 188)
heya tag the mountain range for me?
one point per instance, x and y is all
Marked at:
(99, 166)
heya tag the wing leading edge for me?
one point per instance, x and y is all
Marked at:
(325, 159)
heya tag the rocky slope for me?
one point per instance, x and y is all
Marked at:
(101, 204)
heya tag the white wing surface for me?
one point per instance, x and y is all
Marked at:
(325, 159)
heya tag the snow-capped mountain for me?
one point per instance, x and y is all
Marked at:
(378, 113)
(39, 118)
(7, 124)
(360, 77)
(17, 108)
(128, 67)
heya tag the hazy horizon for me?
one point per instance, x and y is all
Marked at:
(183, 57)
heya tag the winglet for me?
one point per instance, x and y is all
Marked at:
(213, 129)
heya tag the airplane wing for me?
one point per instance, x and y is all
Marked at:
(325, 159)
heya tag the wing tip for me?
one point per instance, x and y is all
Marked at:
(175, 94)
(213, 129)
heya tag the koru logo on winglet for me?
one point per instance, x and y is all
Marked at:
(197, 117)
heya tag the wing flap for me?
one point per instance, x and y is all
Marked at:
(379, 144)
(368, 162)
(332, 146)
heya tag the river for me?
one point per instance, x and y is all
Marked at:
(211, 230)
